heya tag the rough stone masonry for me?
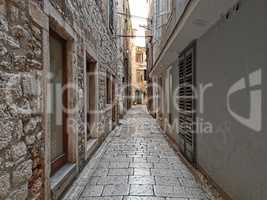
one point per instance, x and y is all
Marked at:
(23, 89)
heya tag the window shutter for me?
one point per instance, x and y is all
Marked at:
(186, 102)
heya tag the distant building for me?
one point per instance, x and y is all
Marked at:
(139, 83)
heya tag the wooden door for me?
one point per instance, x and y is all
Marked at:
(57, 118)
(114, 106)
(91, 97)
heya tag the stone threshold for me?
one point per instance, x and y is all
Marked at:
(91, 146)
(62, 179)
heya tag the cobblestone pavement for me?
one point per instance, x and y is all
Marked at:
(136, 163)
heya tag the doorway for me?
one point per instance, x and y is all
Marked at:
(114, 105)
(58, 100)
(91, 97)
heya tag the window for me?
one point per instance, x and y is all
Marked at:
(108, 89)
(111, 15)
(157, 24)
(140, 75)
(169, 10)
(180, 7)
(162, 13)
(139, 58)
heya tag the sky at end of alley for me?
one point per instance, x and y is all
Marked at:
(139, 8)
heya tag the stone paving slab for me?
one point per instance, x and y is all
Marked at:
(142, 172)
(116, 190)
(103, 198)
(166, 180)
(141, 165)
(150, 180)
(101, 172)
(142, 198)
(137, 163)
(141, 190)
(111, 180)
(120, 172)
(166, 173)
(119, 165)
(92, 191)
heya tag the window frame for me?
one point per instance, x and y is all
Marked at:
(59, 162)
(111, 15)
(139, 57)
(170, 11)
(108, 89)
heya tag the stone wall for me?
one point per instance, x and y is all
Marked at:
(22, 96)
(21, 138)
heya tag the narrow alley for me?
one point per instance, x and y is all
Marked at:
(136, 163)
(133, 100)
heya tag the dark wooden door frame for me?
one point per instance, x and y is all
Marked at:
(114, 106)
(63, 159)
(90, 63)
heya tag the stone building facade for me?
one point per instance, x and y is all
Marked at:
(86, 30)
(139, 67)
(123, 43)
